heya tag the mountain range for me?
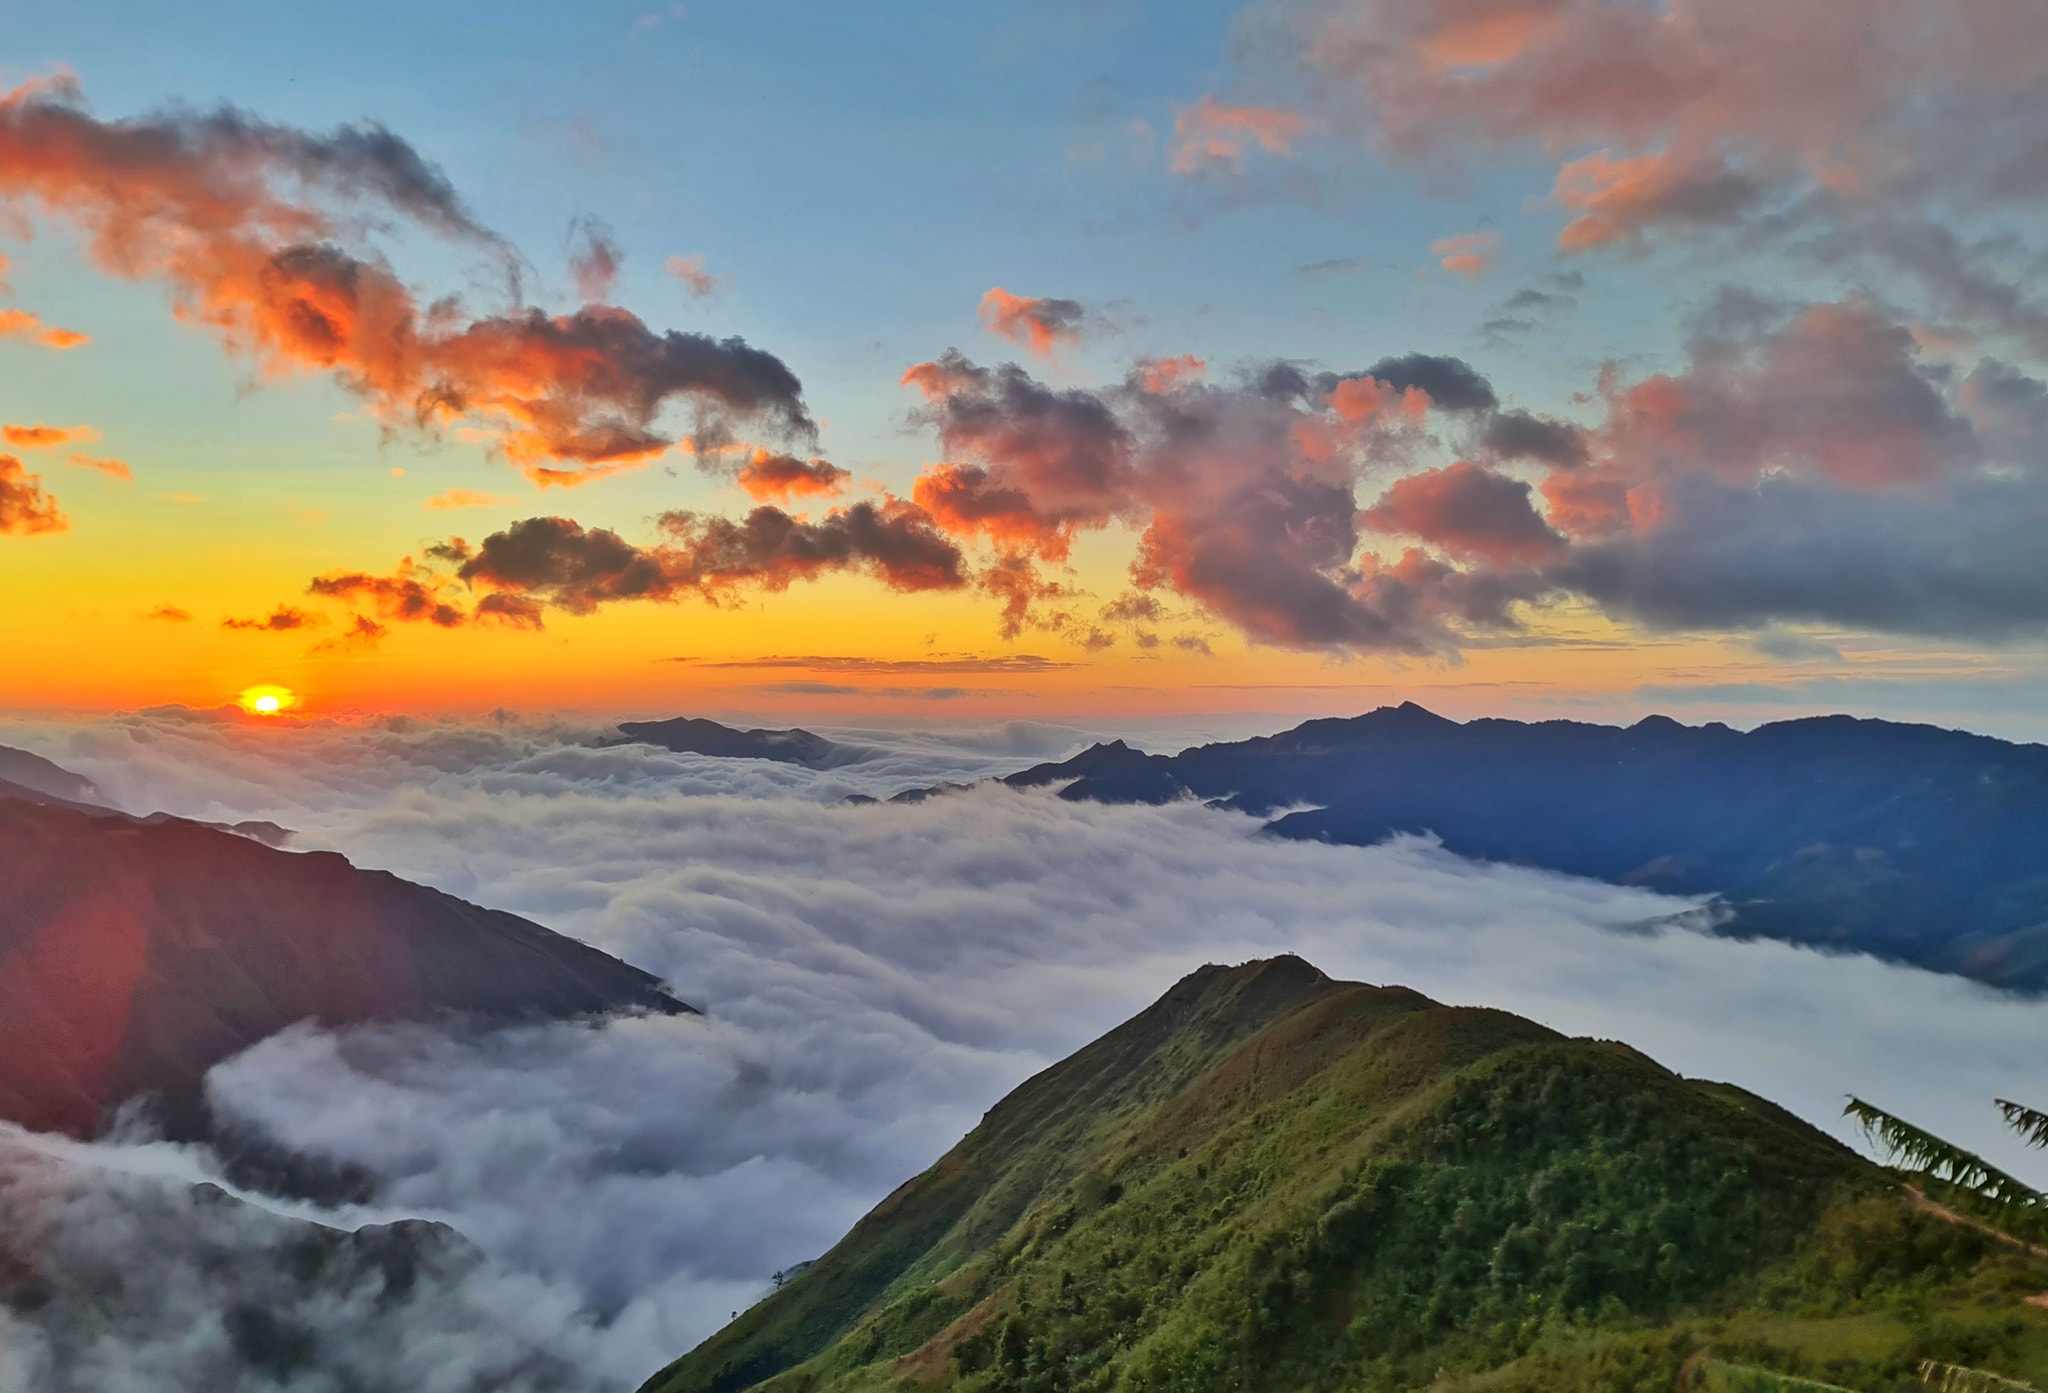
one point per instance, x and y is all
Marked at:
(1270, 1180)
(1909, 842)
(138, 952)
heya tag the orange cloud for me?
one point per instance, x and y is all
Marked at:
(112, 468)
(1039, 324)
(1213, 136)
(257, 230)
(24, 508)
(1162, 375)
(769, 477)
(20, 324)
(169, 614)
(1469, 253)
(465, 498)
(42, 437)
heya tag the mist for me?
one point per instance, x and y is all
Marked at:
(877, 976)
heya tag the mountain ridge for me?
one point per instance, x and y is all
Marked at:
(1910, 842)
(136, 953)
(1273, 1180)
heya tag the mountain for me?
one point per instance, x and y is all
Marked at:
(1913, 843)
(1272, 1181)
(136, 953)
(695, 736)
(32, 774)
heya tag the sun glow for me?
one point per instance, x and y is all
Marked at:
(267, 700)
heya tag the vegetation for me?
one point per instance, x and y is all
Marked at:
(1272, 1181)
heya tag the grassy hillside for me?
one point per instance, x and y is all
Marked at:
(1273, 1181)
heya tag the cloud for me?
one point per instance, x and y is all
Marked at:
(25, 509)
(363, 634)
(594, 259)
(465, 498)
(1470, 512)
(769, 477)
(995, 662)
(20, 324)
(169, 614)
(1213, 137)
(281, 620)
(854, 1032)
(261, 232)
(557, 561)
(1242, 495)
(42, 437)
(112, 468)
(690, 271)
(403, 597)
(1469, 254)
(1039, 324)
(1523, 435)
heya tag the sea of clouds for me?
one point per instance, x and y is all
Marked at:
(874, 977)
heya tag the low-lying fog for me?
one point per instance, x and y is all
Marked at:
(874, 977)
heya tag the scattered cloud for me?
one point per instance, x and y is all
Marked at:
(20, 324)
(1213, 136)
(25, 509)
(957, 663)
(112, 468)
(465, 498)
(42, 437)
(1039, 324)
(1470, 254)
(690, 271)
(169, 614)
(259, 231)
(283, 619)
(778, 478)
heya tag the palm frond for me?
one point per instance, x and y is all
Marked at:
(2030, 1123)
(1911, 1148)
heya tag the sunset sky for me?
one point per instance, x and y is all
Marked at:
(1102, 359)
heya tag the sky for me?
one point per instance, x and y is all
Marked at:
(1099, 362)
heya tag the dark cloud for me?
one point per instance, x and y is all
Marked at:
(283, 619)
(402, 597)
(1523, 435)
(557, 561)
(1452, 383)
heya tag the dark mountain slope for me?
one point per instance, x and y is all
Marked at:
(1270, 1181)
(694, 735)
(137, 953)
(39, 775)
(1917, 844)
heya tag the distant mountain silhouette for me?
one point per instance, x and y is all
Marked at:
(693, 735)
(1913, 843)
(35, 774)
(136, 953)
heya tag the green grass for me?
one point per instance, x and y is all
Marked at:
(1270, 1181)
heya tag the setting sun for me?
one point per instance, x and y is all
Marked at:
(267, 700)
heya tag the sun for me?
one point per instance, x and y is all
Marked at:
(267, 700)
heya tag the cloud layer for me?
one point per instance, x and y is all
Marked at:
(875, 976)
